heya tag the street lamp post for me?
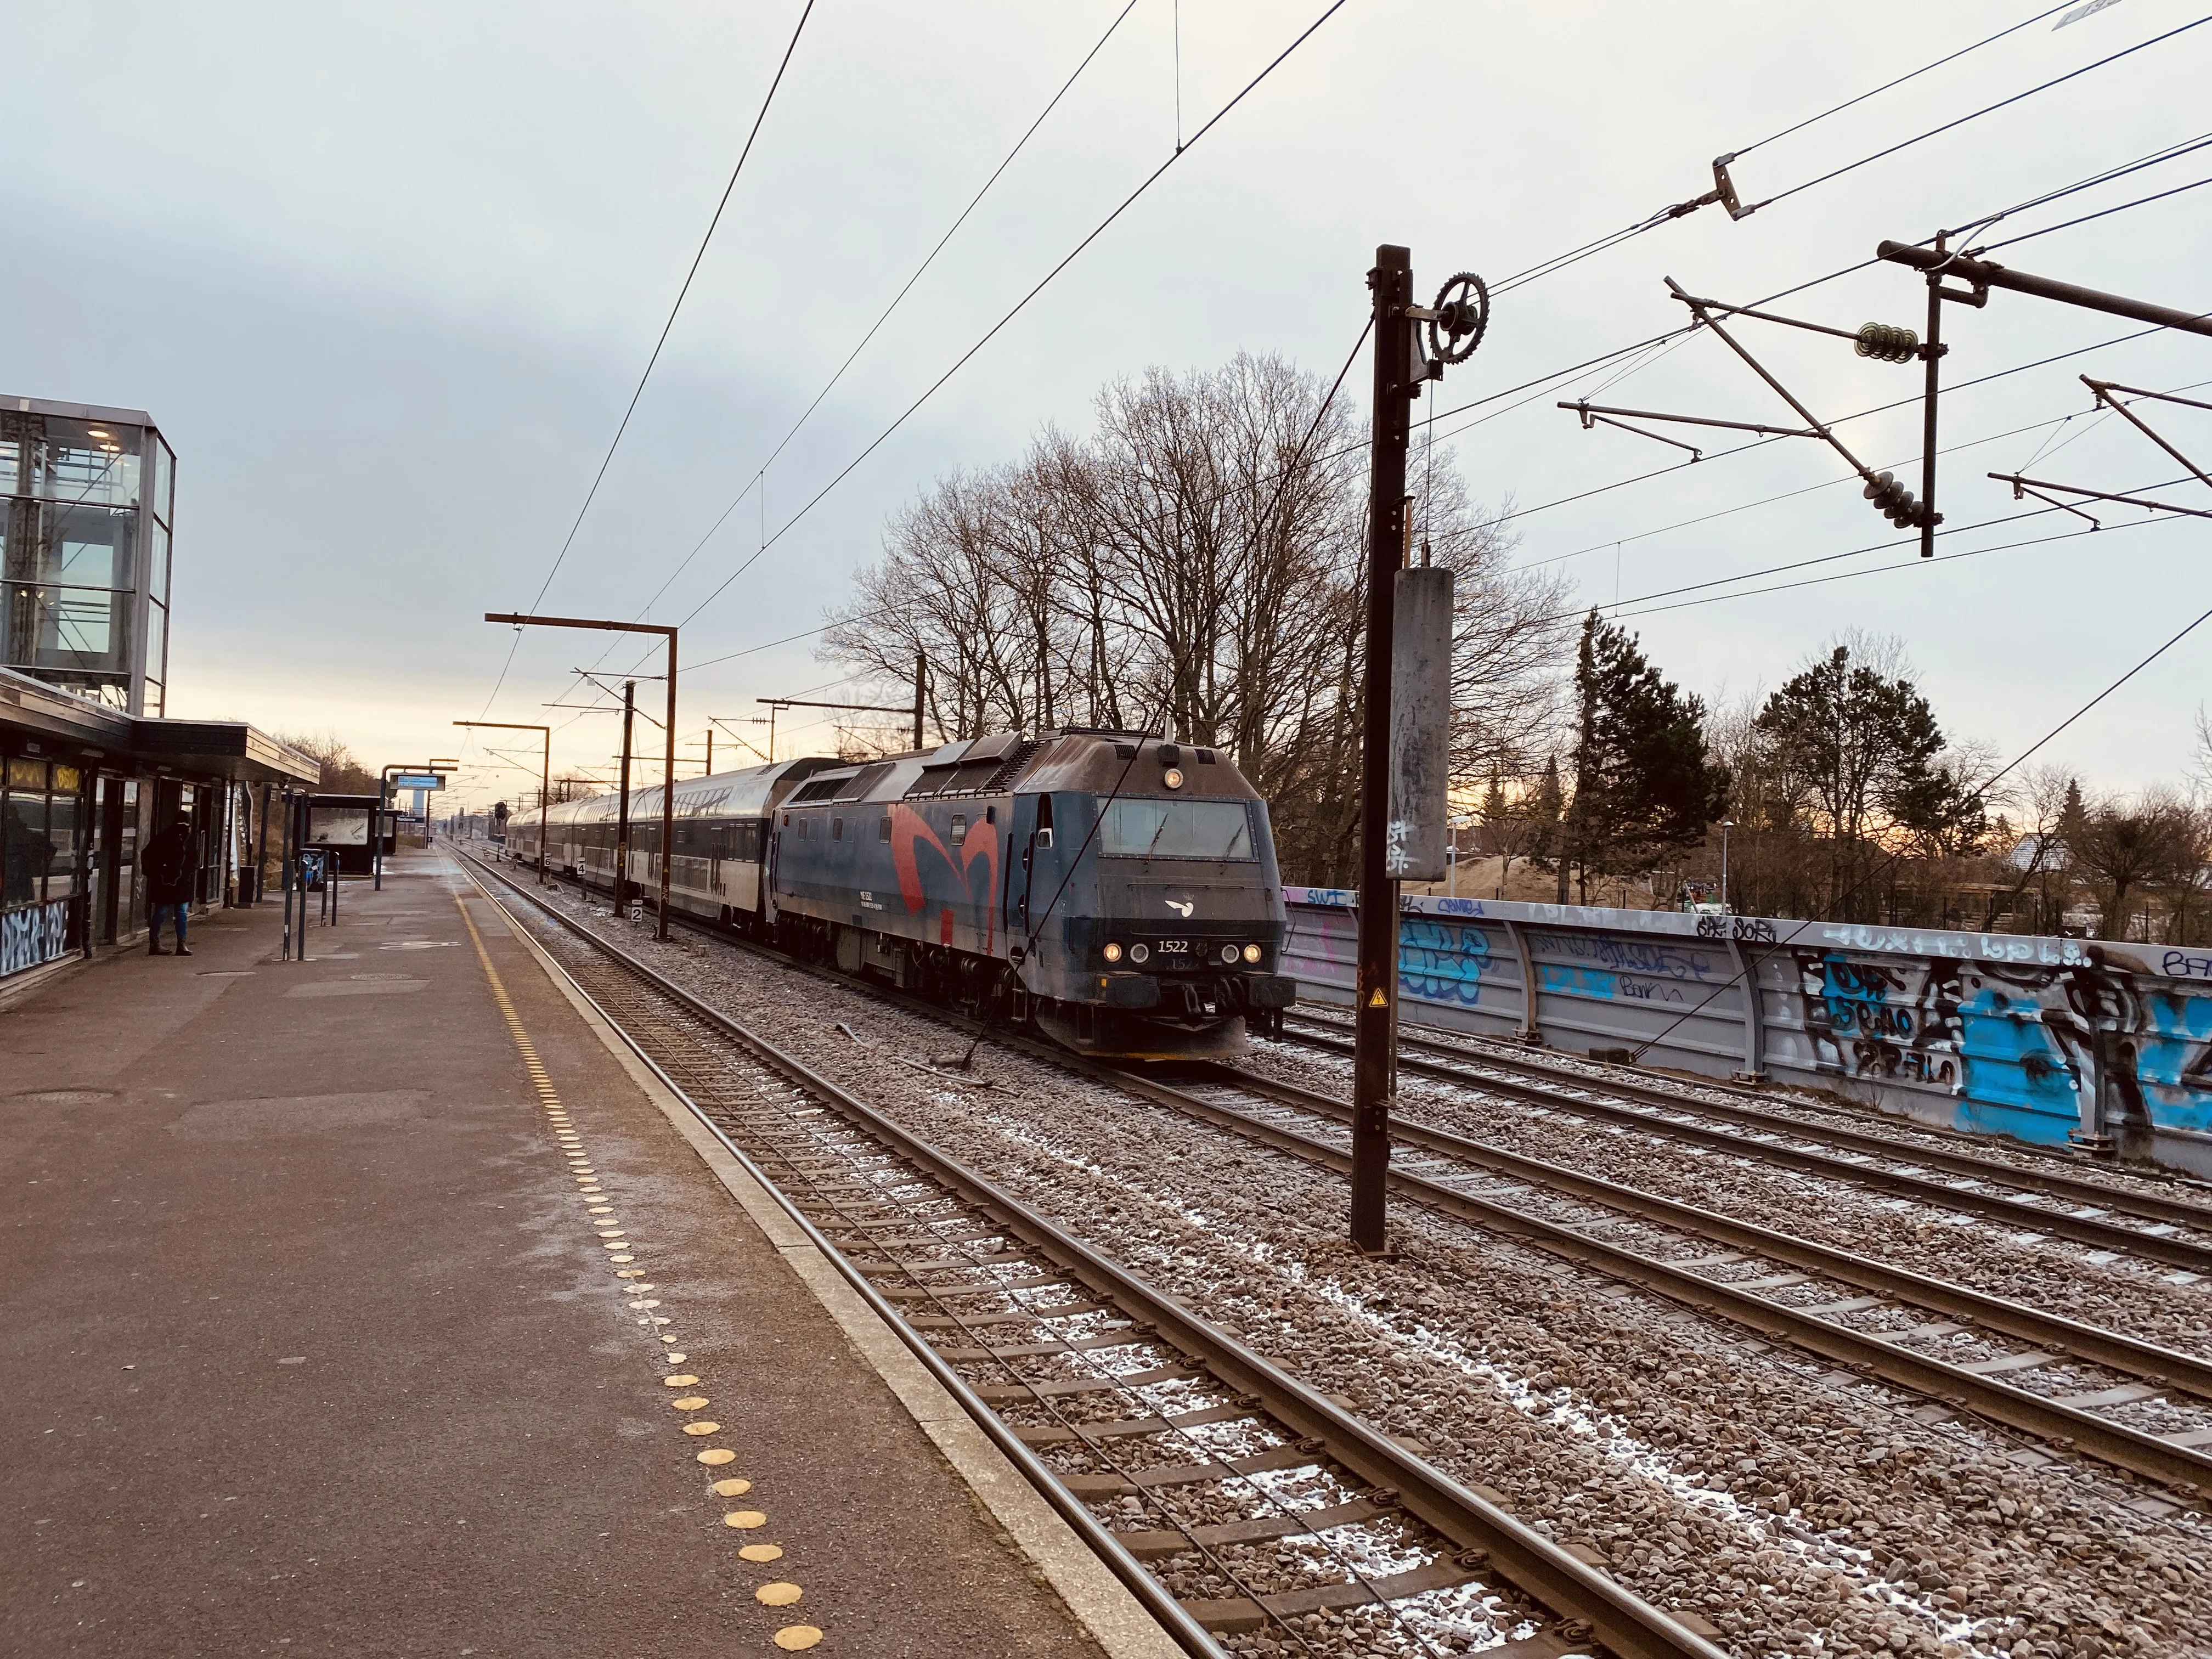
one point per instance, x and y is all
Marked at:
(544, 777)
(668, 772)
(1727, 824)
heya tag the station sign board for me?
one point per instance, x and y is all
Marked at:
(417, 780)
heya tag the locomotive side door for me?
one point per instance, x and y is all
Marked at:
(1032, 831)
(771, 830)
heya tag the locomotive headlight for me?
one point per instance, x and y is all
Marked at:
(1139, 952)
(1229, 953)
(1172, 777)
(1251, 953)
(1113, 953)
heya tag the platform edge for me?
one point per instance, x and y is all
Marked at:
(1097, 1600)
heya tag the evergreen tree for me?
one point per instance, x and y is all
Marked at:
(2073, 822)
(1544, 812)
(1644, 784)
(1858, 750)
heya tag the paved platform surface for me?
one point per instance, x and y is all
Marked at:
(312, 1344)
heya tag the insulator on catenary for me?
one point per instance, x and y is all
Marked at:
(1886, 343)
(1894, 501)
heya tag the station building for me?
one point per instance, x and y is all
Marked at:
(91, 768)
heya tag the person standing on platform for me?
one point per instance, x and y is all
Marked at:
(169, 883)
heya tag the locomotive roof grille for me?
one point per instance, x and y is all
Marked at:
(862, 782)
(986, 776)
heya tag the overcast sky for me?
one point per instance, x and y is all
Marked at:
(386, 276)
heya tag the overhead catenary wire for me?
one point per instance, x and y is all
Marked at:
(681, 292)
(1018, 307)
(1666, 215)
(1989, 109)
(883, 317)
(1660, 340)
(1909, 75)
(2040, 362)
(2140, 201)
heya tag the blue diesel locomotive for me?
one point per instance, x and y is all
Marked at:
(1115, 891)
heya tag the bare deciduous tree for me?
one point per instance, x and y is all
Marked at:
(1197, 565)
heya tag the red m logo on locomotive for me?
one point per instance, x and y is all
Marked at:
(910, 833)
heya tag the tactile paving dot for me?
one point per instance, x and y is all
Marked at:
(762, 1552)
(745, 1520)
(794, 1638)
(715, 1456)
(777, 1595)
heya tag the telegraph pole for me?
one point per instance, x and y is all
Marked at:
(622, 823)
(1374, 1020)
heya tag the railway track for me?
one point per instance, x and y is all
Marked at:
(2173, 1230)
(1878, 1318)
(1183, 1457)
(2097, 1378)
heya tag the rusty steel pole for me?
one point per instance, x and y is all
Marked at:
(1374, 1020)
(622, 791)
(668, 794)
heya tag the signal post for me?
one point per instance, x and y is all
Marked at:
(1406, 722)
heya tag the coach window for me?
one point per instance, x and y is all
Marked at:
(837, 828)
(959, 830)
(883, 829)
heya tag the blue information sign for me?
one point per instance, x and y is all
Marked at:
(417, 780)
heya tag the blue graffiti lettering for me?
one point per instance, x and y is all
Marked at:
(1577, 982)
(1441, 963)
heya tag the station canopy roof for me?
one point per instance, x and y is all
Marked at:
(39, 718)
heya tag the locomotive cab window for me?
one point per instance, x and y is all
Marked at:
(883, 829)
(959, 829)
(1175, 829)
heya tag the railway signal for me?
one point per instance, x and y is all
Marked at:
(1406, 732)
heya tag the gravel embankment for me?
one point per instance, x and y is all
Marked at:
(1799, 1511)
(2144, 1298)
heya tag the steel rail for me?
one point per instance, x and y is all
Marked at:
(1151, 1594)
(2050, 1332)
(2149, 1206)
(1623, 1621)
(2181, 1467)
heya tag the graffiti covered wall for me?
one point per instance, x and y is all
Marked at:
(2049, 1040)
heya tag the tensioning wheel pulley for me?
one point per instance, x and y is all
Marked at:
(1463, 310)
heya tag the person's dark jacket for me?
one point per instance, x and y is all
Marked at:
(169, 865)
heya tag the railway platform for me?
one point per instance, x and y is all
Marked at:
(379, 1303)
